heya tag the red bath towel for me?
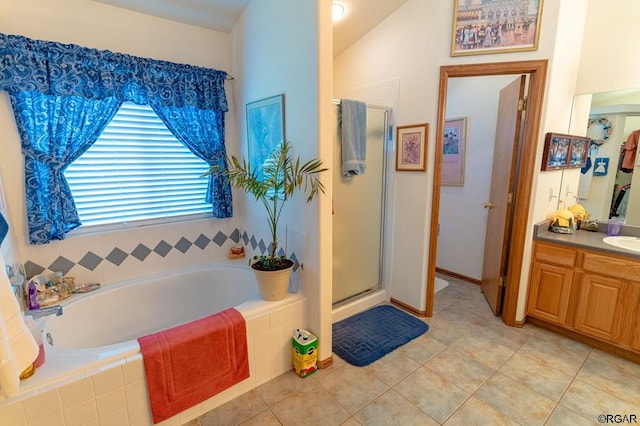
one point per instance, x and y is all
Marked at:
(188, 364)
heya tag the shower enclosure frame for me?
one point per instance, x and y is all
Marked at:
(376, 294)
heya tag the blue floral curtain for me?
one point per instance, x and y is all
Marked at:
(70, 70)
(55, 131)
(64, 95)
(202, 131)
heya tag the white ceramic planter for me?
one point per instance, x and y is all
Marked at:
(273, 285)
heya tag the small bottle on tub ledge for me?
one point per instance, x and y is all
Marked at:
(236, 252)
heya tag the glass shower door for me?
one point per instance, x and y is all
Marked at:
(358, 216)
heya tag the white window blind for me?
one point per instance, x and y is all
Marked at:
(137, 171)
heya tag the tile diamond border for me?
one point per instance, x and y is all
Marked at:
(117, 256)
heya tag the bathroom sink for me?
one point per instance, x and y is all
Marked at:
(625, 242)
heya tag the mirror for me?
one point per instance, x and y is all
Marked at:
(608, 186)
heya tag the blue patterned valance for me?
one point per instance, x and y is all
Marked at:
(58, 69)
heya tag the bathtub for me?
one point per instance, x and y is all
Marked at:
(114, 317)
(97, 333)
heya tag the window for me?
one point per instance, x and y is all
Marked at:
(137, 171)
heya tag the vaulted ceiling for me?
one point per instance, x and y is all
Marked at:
(220, 15)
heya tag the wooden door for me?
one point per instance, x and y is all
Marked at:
(496, 246)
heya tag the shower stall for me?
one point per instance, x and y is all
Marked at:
(359, 214)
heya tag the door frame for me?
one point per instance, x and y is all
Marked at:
(537, 71)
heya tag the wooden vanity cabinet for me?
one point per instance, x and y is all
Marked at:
(608, 297)
(550, 282)
(598, 307)
(588, 292)
(630, 319)
(634, 331)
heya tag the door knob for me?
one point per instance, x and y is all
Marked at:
(488, 206)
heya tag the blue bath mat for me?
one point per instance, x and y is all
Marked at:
(370, 335)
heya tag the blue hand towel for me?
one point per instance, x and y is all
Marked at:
(4, 228)
(353, 123)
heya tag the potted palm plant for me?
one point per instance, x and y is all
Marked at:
(282, 176)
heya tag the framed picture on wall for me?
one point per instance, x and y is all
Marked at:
(481, 27)
(578, 151)
(411, 147)
(601, 166)
(265, 129)
(556, 151)
(453, 153)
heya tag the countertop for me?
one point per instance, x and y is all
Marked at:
(587, 239)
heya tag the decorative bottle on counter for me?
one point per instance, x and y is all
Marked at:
(32, 295)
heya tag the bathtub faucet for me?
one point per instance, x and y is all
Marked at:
(43, 312)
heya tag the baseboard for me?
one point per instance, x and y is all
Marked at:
(458, 276)
(520, 323)
(408, 308)
(325, 363)
(598, 344)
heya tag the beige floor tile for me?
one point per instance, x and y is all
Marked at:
(527, 327)
(352, 387)
(514, 400)
(536, 376)
(283, 386)
(499, 334)
(457, 292)
(550, 355)
(461, 316)
(622, 365)
(487, 352)
(564, 417)
(392, 409)
(312, 406)
(263, 418)
(336, 362)
(590, 402)
(511, 337)
(432, 393)
(235, 411)
(461, 370)
(444, 299)
(351, 422)
(393, 367)
(476, 413)
(609, 379)
(446, 332)
(422, 349)
(563, 342)
(474, 301)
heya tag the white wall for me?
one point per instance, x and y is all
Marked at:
(463, 219)
(610, 56)
(96, 25)
(270, 59)
(389, 52)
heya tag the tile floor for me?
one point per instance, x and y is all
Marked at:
(468, 369)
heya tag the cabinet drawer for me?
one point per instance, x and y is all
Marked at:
(611, 266)
(556, 255)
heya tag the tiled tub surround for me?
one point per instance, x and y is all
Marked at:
(120, 255)
(106, 385)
